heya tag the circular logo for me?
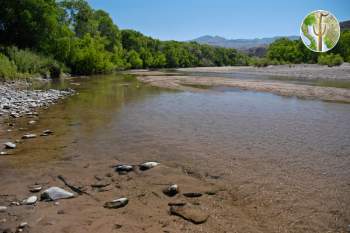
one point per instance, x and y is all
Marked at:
(320, 31)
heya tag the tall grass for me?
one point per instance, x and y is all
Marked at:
(26, 63)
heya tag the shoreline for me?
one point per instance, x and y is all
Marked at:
(297, 71)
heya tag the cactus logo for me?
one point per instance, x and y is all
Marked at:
(320, 31)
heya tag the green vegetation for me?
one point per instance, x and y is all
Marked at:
(330, 59)
(44, 36)
(285, 51)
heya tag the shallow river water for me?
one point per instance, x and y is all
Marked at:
(286, 148)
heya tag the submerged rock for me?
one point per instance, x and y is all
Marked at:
(118, 203)
(148, 165)
(47, 132)
(172, 190)
(124, 168)
(35, 188)
(189, 213)
(55, 193)
(10, 145)
(192, 194)
(3, 209)
(30, 200)
(29, 136)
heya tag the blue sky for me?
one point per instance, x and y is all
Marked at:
(188, 19)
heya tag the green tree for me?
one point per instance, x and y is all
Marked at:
(134, 59)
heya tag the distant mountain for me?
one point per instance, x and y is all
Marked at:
(345, 25)
(242, 44)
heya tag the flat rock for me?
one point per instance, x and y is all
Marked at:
(101, 184)
(192, 194)
(10, 145)
(124, 168)
(148, 165)
(118, 203)
(29, 136)
(189, 213)
(55, 193)
(35, 188)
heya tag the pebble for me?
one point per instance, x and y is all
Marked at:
(55, 193)
(148, 165)
(30, 200)
(29, 136)
(16, 101)
(118, 203)
(3, 209)
(122, 168)
(35, 188)
(10, 145)
(172, 190)
(47, 132)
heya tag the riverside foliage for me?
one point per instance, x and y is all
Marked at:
(87, 41)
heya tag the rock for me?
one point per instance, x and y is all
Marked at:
(124, 168)
(172, 190)
(176, 203)
(32, 122)
(10, 145)
(3, 209)
(23, 225)
(29, 136)
(4, 153)
(190, 213)
(148, 165)
(47, 132)
(30, 200)
(35, 188)
(60, 212)
(55, 193)
(192, 194)
(101, 184)
(118, 203)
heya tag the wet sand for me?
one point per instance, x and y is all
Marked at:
(191, 83)
(270, 164)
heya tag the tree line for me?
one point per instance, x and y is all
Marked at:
(286, 51)
(70, 35)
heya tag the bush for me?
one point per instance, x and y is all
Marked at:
(7, 68)
(330, 59)
(28, 62)
(263, 62)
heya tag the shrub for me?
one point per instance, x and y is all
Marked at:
(7, 68)
(263, 62)
(330, 59)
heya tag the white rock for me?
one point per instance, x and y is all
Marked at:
(29, 135)
(30, 200)
(118, 203)
(3, 209)
(55, 193)
(10, 145)
(148, 165)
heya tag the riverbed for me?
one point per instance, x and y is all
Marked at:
(275, 163)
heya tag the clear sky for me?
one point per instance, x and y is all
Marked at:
(189, 19)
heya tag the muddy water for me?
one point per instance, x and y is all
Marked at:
(288, 155)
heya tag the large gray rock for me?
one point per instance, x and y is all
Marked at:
(55, 193)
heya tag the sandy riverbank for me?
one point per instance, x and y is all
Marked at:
(299, 71)
(189, 83)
